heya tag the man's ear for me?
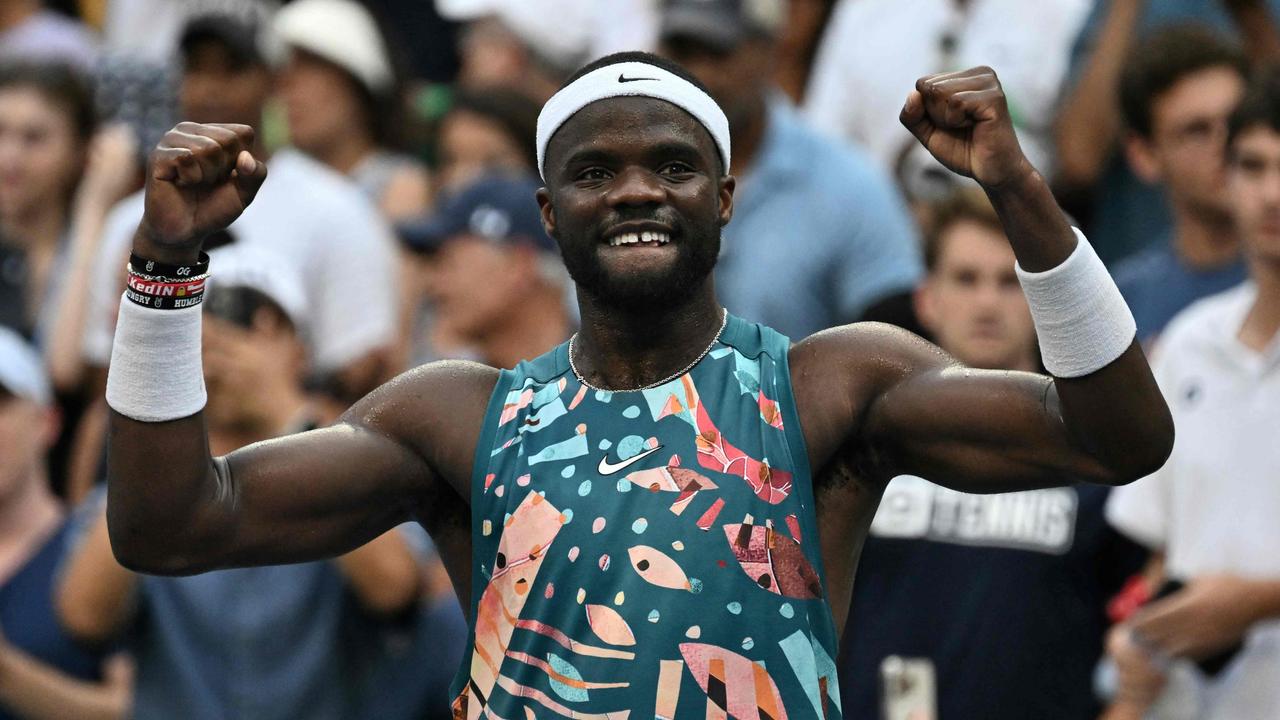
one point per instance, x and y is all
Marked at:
(728, 184)
(1142, 158)
(548, 212)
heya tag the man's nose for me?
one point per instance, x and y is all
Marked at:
(635, 186)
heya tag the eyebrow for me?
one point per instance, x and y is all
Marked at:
(673, 149)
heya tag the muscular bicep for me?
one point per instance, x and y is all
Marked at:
(903, 406)
(399, 452)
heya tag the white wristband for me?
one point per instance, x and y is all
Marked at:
(156, 372)
(1082, 321)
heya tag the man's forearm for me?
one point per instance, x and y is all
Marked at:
(1035, 225)
(38, 691)
(1262, 597)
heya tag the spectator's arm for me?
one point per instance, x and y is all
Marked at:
(36, 691)
(1257, 28)
(1089, 120)
(95, 595)
(383, 574)
(112, 172)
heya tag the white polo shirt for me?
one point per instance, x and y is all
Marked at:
(873, 51)
(1214, 507)
(311, 217)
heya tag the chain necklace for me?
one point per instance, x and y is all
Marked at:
(574, 367)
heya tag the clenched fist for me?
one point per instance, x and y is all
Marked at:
(963, 120)
(199, 179)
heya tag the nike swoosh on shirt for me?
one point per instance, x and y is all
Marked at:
(607, 468)
(623, 78)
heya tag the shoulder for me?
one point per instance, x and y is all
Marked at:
(297, 175)
(1203, 321)
(436, 410)
(1142, 266)
(837, 374)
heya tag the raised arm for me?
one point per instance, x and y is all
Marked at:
(174, 509)
(913, 409)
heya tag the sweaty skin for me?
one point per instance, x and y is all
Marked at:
(874, 401)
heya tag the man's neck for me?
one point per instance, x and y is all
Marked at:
(1204, 243)
(27, 515)
(42, 226)
(538, 325)
(1262, 323)
(747, 135)
(344, 154)
(630, 349)
(15, 12)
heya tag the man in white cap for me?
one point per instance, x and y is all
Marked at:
(659, 515)
(44, 672)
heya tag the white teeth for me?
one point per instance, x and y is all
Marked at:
(659, 238)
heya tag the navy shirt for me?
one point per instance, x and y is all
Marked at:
(30, 623)
(1157, 286)
(1005, 594)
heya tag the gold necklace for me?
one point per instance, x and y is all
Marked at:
(574, 367)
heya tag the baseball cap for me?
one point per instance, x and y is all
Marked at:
(500, 208)
(21, 369)
(722, 23)
(557, 31)
(342, 32)
(243, 28)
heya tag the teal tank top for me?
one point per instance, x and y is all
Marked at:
(650, 553)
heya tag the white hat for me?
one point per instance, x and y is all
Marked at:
(22, 370)
(267, 272)
(342, 32)
(557, 31)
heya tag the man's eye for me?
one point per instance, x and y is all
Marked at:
(593, 174)
(676, 168)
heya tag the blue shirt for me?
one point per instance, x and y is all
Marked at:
(28, 619)
(818, 234)
(1128, 214)
(1005, 594)
(259, 643)
(1157, 286)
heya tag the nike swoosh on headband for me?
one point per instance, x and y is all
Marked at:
(623, 78)
(607, 468)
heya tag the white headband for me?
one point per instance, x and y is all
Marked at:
(631, 79)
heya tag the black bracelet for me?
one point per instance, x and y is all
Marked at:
(171, 273)
(163, 303)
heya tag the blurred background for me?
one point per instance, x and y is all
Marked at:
(398, 226)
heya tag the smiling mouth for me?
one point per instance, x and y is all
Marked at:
(653, 239)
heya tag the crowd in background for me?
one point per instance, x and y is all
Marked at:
(398, 226)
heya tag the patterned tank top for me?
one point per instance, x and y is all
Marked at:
(651, 553)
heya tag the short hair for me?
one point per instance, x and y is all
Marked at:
(62, 85)
(1162, 60)
(964, 203)
(1260, 106)
(512, 110)
(639, 56)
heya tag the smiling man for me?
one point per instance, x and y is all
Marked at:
(659, 515)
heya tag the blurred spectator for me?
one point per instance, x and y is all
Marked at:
(875, 50)
(1038, 567)
(1121, 213)
(819, 235)
(44, 673)
(529, 44)
(266, 642)
(1211, 509)
(341, 93)
(798, 45)
(306, 212)
(29, 31)
(46, 122)
(486, 130)
(1177, 91)
(149, 29)
(498, 283)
